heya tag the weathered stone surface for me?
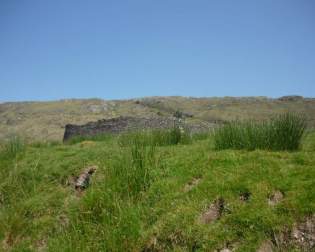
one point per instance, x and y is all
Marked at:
(83, 180)
(123, 124)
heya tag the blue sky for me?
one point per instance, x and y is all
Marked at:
(122, 49)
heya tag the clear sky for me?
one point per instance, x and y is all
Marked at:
(116, 49)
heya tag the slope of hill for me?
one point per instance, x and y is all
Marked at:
(46, 120)
(185, 197)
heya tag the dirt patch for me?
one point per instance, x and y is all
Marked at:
(229, 246)
(191, 184)
(275, 198)
(9, 241)
(64, 220)
(266, 246)
(213, 212)
(245, 196)
(151, 245)
(304, 233)
(41, 245)
(225, 250)
(300, 237)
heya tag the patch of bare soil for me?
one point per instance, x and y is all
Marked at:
(64, 220)
(151, 245)
(41, 245)
(275, 198)
(229, 247)
(8, 241)
(225, 250)
(266, 246)
(213, 212)
(245, 196)
(301, 237)
(304, 233)
(191, 184)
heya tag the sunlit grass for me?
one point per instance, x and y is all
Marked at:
(282, 132)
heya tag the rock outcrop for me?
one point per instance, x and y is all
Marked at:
(290, 98)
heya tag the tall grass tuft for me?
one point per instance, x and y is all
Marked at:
(162, 137)
(12, 147)
(282, 132)
(131, 171)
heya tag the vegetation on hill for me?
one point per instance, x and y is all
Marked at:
(46, 120)
(282, 132)
(152, 192)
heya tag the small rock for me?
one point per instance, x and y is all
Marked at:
(213, 212)
(275, 198)
(83, 180)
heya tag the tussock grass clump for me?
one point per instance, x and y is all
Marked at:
(133, 171)
(163, 137)
(282, 132)
(12, 147)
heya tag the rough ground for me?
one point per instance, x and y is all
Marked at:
(47, 120)
(196, 198)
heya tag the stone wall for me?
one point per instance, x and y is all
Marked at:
(118, 125)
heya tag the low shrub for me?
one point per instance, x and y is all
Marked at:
(282, 132)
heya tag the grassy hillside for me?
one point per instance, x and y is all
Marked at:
(46, 120)
(152, 198)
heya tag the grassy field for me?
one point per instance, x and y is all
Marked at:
(150, 197)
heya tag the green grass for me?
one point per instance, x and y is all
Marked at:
(137, 198)
(165, 137)
(282, 132)
(99, 137)
(13, 147)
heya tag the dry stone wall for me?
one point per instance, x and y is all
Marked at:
(118, 125)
